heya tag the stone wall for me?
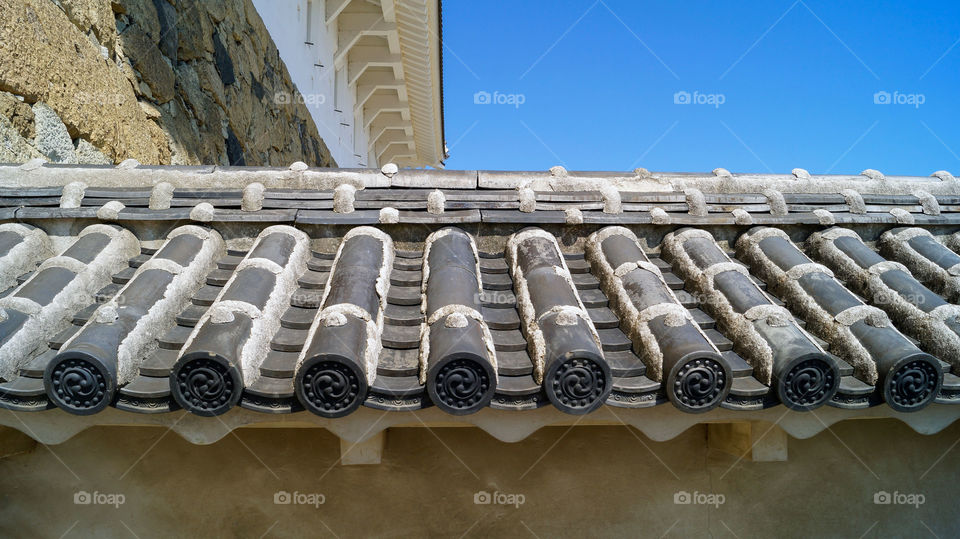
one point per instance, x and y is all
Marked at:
(160, 81)
(579, 482)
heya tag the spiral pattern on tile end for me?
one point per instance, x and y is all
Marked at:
(206, 386)
(809, 384)
(79, 386)
(330, 388)
(913, 386)
(462, 386)
(578, 385)
(700, 385)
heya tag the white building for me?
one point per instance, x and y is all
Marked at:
(369, 71)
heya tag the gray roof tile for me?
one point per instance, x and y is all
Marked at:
(553, 321)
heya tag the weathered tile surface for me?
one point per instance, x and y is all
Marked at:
(578, 296)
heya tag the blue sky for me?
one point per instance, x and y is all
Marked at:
(771, 85)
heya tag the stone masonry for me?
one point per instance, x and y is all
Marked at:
(161, 81)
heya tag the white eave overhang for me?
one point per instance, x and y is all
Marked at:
(391, 52)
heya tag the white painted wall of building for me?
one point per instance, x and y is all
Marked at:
(307, 47)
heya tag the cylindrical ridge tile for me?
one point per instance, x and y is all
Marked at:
(562, 340)
(63, 285)
(338, 362)
(458, 361)
(907, 378)
(22, 247)
(783, 355)
(107, 352)
(888, 285)
(671, 344)
(930, 261)
(224, 351)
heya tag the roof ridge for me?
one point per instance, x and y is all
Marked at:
(298, 175)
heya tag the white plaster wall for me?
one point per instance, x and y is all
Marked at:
(582, 482)
(325, 92)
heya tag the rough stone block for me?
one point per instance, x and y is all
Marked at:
(87, 154)
(18, 113)
(149, 62)
(95, 100)
(13, 147)
(52, 138)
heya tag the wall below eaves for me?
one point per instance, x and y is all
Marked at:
(160, 81)
(575, 482)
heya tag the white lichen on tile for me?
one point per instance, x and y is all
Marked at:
(436, 202)
(343, 198)
(573, 216)
(527, 199)
(45, 321)
(34, 247)
(636, 323)
(928, 202)
(611, 199)
(389, 216)
(203, 212)
(161, 195)
(943, 175)
(529, 318)
(930, 329)
(659, 216)
(72, 195)
(253, 195)
(834, 329)
(903, 216)
(110, 211)
(854, 200)
(742, 217)
(895, 244)
(778, 205)
(373, 325)
(696, 202)
(825, 217)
